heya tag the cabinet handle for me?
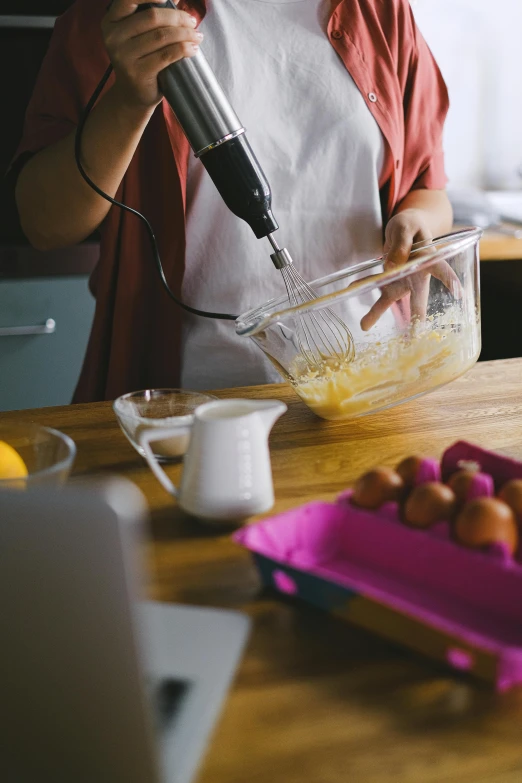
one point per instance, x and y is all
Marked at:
(49, 327)
(28, 22)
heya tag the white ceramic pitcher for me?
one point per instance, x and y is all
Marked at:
(227, 474)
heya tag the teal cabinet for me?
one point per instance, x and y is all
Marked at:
(44, 329)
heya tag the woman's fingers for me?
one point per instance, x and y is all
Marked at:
(420, 292)
(403, 230)
(155, 18)
(158, 40)
(155, 62)
(417, 286)
(390, 294)
(399, 241)
(443, 272)
(140, 45)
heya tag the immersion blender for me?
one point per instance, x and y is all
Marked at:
(218, 139)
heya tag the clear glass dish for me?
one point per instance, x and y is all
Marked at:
(159, 409)
(48, 454)
(427, 337)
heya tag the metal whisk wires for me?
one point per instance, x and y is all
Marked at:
(322, 337)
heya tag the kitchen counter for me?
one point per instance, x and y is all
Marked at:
(498, 247)
(316, 700)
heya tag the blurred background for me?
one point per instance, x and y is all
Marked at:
(477, 45)
(46, 309)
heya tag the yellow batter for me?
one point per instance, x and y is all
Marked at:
(383, 374)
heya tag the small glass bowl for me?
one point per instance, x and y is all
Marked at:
(47, 453)
(156, 409)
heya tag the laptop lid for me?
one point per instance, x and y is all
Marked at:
(72, 706)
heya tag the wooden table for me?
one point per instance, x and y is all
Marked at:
(499, 247)
(316, 700)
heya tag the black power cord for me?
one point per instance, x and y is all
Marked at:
(154, 245)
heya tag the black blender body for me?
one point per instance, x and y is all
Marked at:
(217, 138)
(237, 175)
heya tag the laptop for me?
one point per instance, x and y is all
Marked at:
(96, 686)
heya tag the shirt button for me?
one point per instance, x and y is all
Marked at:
(337, 34)
(372, 97)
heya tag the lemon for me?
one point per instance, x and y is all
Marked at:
(12, 465)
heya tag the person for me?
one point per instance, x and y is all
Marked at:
(344, 107)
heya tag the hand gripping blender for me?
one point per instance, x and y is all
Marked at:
(218, 139)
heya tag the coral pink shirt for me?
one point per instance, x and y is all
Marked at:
(135, 339)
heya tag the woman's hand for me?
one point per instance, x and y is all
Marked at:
(141, 45)
(57, 208)
(403, 230)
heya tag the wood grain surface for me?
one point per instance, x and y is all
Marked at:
(316, 700)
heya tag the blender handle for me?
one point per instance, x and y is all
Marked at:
(217, 137)
(197, 99)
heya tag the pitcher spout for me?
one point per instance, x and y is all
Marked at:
(270, 411)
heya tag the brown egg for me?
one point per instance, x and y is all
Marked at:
(511, 493)
(408, 469)
(376, 487)
(487, 521)
(461, 482)
(429, 503)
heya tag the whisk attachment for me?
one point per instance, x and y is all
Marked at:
(322, 337)
(280, 257)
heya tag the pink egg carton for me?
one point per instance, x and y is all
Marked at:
(418, 588)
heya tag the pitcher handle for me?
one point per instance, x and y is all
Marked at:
(148, 436)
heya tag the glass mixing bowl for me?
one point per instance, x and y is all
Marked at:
(48, 454)
(426, 335)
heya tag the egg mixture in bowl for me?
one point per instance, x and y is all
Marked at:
(425, 334)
